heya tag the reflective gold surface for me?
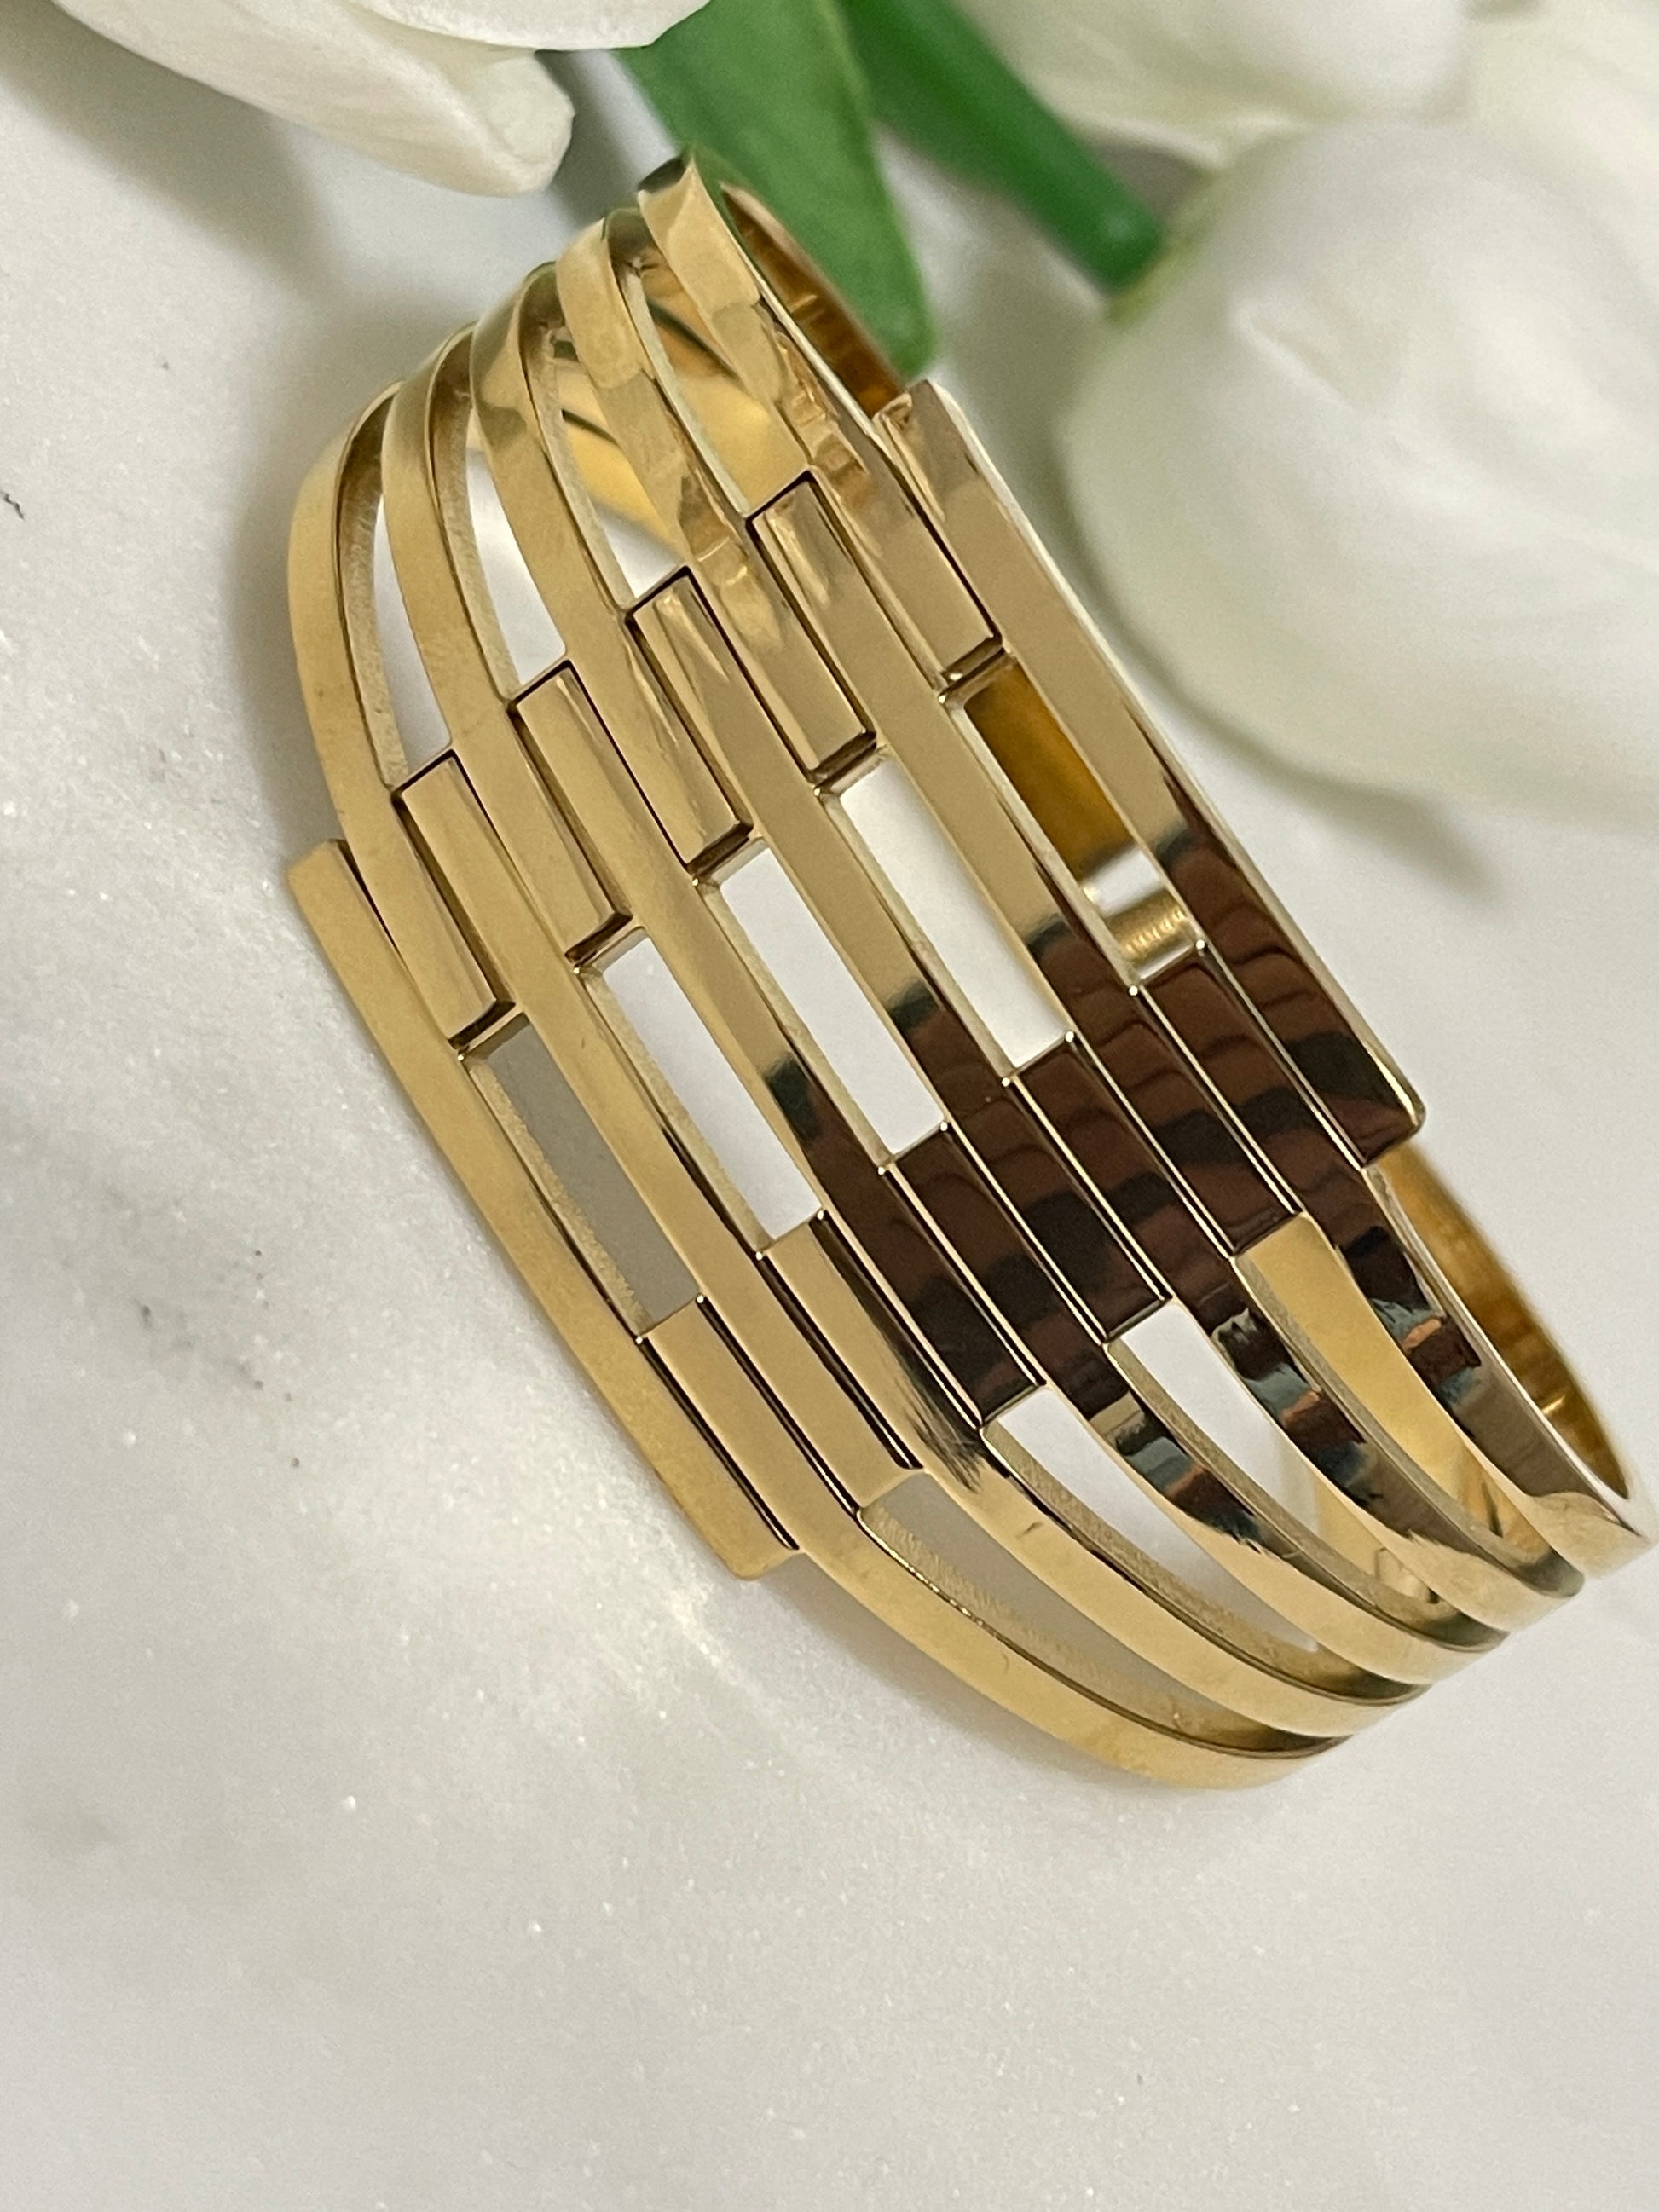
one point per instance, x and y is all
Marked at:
(1173, 1117)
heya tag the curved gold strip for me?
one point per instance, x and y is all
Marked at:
(331, 598)
(1544, 1439)
(435, 555)
(705, 1485)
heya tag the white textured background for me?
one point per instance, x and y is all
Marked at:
(399, 1812)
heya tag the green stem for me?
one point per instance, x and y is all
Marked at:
(936, 80)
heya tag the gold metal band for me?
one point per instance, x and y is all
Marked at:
(919, 1355)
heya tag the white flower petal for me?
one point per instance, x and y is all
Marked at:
(1206, 78)
(1575, 84)
(483, 118)
(561, 25)
(1375, 472)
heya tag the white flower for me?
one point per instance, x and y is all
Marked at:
(1375, 472)
(1206, 78)
(448, 89)
(1574, 84)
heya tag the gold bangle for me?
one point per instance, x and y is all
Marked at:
(908, 1340)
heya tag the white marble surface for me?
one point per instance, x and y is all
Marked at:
(398, 1811)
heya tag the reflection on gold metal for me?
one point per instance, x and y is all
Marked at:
(1204, 1123)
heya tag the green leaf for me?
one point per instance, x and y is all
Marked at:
(772, 88)
(934, 78)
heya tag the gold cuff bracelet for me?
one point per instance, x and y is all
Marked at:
(874, 1054)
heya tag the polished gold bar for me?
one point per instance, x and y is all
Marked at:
(331, 592)
(926, 1012)
(429, 528)
(578, 574)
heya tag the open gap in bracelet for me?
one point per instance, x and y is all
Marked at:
(1123, 880)
(680, 1048)
(787, 941)
(813, 302)
(638, 538)
(645, 560)
(564, 1149)
(1063, 1444)
(533, 642)
(1196, 1374)
(1035, 753)
(738, 433)
(907, 847)
(422, 730)
(1038, 755)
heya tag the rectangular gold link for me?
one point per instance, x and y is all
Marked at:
(700, 673)
(662, 757)
(564, 885)
(731, 1404)
(938, 617)
(1045, 768)
(506, 1193)
(885, 1374)
(714, 975)
(429, 940)
(809, 705)
(1040, 621)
